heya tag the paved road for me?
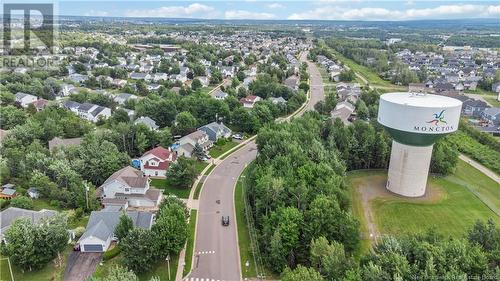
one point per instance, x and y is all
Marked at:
(216, 252)
(216, 249)
(317, 90)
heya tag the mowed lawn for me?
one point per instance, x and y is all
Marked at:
(453, 213)
(218, 150)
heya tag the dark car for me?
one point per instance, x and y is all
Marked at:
(76, 247)
(225, 220)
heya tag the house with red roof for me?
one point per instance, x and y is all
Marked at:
(155, 162)
(249, 101)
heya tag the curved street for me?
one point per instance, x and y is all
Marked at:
(216, 252)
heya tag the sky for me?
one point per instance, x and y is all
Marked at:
(292, 10)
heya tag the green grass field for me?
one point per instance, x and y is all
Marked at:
(455, 211)
(49, 272)
(169, 189)
(493, 101)
(246, 253)
(190, 243)
(218, 150)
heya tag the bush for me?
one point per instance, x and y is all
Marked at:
(79, 231)
(4, 203)
(21, 202)
(109, 254)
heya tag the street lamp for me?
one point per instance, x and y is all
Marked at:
(168, 265)
(87, 194)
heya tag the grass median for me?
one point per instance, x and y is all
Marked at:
(190, 243)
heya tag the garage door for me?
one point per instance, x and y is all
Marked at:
(92, 248)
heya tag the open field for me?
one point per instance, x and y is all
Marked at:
(492, 100)
(49, 272)
(449, 206)
(159, 270)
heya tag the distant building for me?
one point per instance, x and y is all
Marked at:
(150, 123)
(216, 131)
(249, 101)
(156, 161)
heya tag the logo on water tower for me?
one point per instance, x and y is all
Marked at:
(438, 118)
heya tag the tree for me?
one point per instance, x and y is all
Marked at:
(196, 84)
(183, 173)
(329, 258)
(304, 86)
(140, 250)
(170, 228)
(123, 227)
(198, 151)
(164, 137)
(301, 273)
(185, 123)
(444, 158)
(362, 110)
(32, 246)
(119, 273)
(120, 116)
(22, 202)
(11, 117)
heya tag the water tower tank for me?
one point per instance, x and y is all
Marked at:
(415, 122)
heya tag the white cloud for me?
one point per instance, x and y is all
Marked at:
(443, 11)
(275, 6)
(242, 14)
(93, 13)
(193, 10)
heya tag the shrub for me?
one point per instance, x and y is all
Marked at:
(21, 202)
(109, 254)
(79, 231)
(4, 203)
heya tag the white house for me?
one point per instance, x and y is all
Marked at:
(25, 99)
(131, 186)
(156, 162)
(188, 142)
(249, 101)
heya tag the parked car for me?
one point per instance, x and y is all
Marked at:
(76, 247)
(237, 137)
(225, 220)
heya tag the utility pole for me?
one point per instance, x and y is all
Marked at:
(87, 195)
(168, 265)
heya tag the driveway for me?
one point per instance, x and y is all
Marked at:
(80, 266)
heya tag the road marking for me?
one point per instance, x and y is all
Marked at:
(205, 252)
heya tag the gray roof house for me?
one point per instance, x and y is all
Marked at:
(150, 123)
(216, 130)
(11, 214)
(491, 114)
(123, 98)
(101, 226)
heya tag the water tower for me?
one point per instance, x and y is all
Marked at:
(415, 122)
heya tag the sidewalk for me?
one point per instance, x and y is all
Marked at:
(481, 168)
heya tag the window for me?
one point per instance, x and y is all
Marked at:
(156, 173)
(127, 189)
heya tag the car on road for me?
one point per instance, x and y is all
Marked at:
(225, 220)
(237, 137)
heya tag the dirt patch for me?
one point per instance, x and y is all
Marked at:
(372, 187)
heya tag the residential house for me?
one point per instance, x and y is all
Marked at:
(496, 87)
(219, 95)
(188, 142)
(120, 83)
(204, 80)
(122, 98)
(150, 123)
(24, 99)
(140, 76)
(11, 214)
(58, 142)
(78, 78)
(93, 112)
(7, 193)
(33, 193)
(101, 227)
(216, 130)
(492, 115)
(292, 82)
(67, 89)
(40, 104)
(278, 100)
(131, 187)
(156, 161)
(249, 101)
(343, 110)
(473, 107)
